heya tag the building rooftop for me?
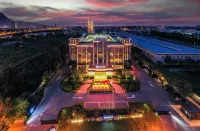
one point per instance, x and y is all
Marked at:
(190, 107)
(159, 46)
(99, 37)
(92, 37)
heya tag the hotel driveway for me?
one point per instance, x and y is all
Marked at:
(55, 99)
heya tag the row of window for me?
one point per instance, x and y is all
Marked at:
(73, 41)
(183, 57)
(125, 41)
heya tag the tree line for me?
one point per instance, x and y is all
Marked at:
(18, 82)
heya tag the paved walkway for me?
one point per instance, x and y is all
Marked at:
(177, 108)
(118, 88)
(84, 88)
(194, 102)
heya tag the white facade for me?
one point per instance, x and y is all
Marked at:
(161, 57)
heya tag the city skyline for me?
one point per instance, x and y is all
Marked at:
(105, 12)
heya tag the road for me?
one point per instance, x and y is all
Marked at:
(55, 99)
(159, 97)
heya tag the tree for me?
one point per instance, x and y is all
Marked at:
(118, 72)
(76, 86)
(180, 85)
(126, 73)
(132, 87)
(68, 88)
(78, 73)
(127, 65)
(125, 86)
(20, 107)
(65, 114)
(168, 59)
(10, 110)
(184, 87)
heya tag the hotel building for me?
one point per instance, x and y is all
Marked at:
(100, 52)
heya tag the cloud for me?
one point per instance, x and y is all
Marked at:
(154, 15)
(196, 1)
(113, 3)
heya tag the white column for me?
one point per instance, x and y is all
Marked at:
(81, 55)
(124, 52)
(97, 53)
(107, 53)
(77, 55)
(86, 54)
(114, 55)
(118, 54)
(127, 53)
(93, 52)
(123, 55)
(103, 52)
(130, 52)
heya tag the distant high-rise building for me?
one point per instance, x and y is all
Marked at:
(90, 26)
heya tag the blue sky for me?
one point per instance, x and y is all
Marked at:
(104, 12)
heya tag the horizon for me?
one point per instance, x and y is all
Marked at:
(105, 12)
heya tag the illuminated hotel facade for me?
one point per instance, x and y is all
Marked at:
(100, 51)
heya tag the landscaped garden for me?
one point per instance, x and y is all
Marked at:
(71, 84)
(128, 82)
(140, 115)
(74, 82)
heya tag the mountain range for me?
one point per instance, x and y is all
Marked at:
(5, 22)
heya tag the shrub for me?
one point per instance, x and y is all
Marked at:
(125, 86)
(76, 86)
(68, 88)
(86, 78)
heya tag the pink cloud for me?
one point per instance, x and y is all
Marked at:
(113, 3)
(196, 1)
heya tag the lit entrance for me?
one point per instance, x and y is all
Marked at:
(101, 88)
(100, 76)
(108, 117)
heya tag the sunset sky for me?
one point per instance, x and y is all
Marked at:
(104, 12)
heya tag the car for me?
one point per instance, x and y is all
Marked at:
(147, 71)
(146, 66)
(158, 80)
